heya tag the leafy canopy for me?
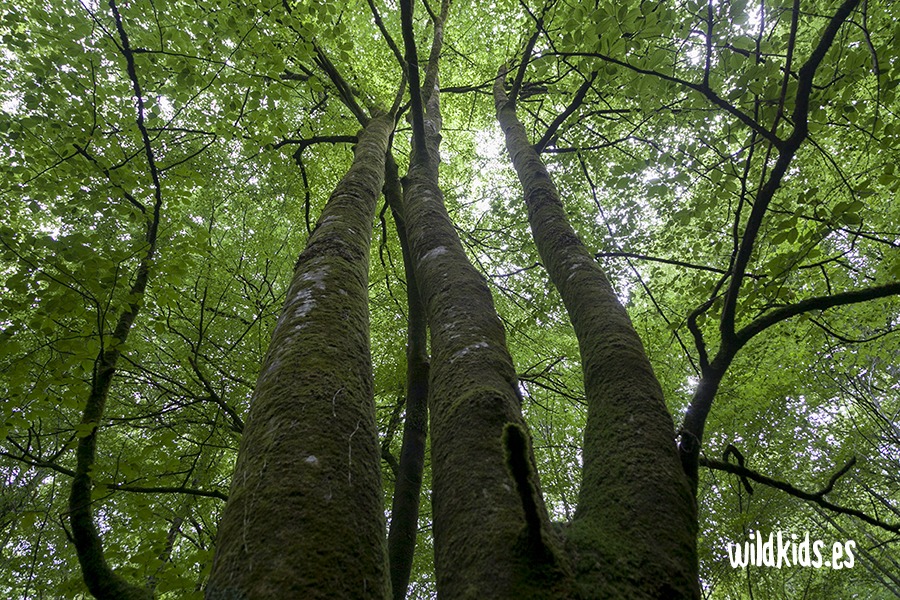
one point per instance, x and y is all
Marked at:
(658, 168)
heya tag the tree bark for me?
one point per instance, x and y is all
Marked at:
(408, 487)
(492, 537)
(635, 526)
(305, 517)
(100, 579)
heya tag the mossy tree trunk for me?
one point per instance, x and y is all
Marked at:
(635, 526)
(491, 530)
(305, 517)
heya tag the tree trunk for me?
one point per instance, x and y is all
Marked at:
(305, 516)
(635, 526)
(408, 487)
(491, 531)
(99, 577)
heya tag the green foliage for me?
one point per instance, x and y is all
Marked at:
(648, 167)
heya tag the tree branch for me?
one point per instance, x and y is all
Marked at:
(668, 261)
(387, 36)
(303, 144)
(346, 94)
(167, 490)
(237, 424)
(817, 303)
(523, 66)
(786, 151)
(814, 497)
(34, 462)
(417, 111)
(708, 93)
(576, 102)
(101, 580)
(437, 43)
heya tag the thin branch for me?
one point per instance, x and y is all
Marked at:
(814, 497)
(807, 72)
(697, 333)
(125, 193)
(708, 93)
(344, 91)
(417, 111)
(139, 100)
(669, 261)
(576, 102)
(303, 144)
(848, 340)
(830, 485)
(387, 36)
(792, 41)
(523, 65)
(646, 288)
(786, 151)
(40, 464)
(484, 88)
(811, 304)
(237, 424)
(166, 490)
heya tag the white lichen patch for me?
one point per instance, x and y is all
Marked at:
(434, 252)
(450, 329)
(326, 220)
(467, 349)
(301, 304)
(302, 300)
(317, 276)
(580, 264)
(271, 370)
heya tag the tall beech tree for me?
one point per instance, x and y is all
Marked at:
(576, 369)
(627, 416)
(313, 398)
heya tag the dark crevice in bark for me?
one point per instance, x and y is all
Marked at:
(518, 460)
(479, 518)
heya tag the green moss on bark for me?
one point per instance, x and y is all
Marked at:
(304, 518)
(635, 525)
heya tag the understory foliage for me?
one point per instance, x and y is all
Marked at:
(731, 168)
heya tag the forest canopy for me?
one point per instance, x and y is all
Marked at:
(539, 299)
